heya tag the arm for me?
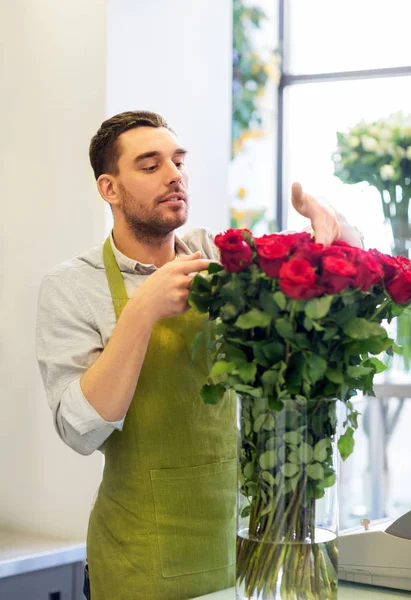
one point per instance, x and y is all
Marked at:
(90, 388)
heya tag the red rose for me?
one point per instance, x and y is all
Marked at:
(310, 251)
(272, 253)
(298, 279)
(266, 239)
(236, 253)
(294, 240)
(399, 288)
(341, 249)
(338, 273)
(369, 270)
(389, 264)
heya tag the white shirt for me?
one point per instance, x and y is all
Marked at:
(76, 319)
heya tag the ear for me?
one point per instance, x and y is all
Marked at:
(108, 189)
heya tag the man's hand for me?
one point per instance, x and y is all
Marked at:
(324, 223)
(165, 293)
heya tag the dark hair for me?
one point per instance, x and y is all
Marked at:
(104, 147)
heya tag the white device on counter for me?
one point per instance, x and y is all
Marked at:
(377, 553)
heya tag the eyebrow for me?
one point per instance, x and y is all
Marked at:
(156, 154)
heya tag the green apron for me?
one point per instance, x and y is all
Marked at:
(163, 524)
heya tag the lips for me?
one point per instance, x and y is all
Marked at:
(174, 197)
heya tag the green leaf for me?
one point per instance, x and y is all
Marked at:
(346, 443)
(256, 392)
(253, 318)
(235, 354)
(317, 308)
(269, 423)
(222, 367)
(289, 469)
(247, 372)
(228, 311)
(196, 343)
(378, 365)
(330, 333)
(271, 443)
(315, 471)
(269, 379)
(268, 477)
(258, 423)
(249, 470)
(329, 481)
(292, 437)
(316, 366)
(259, 405)
(293, 458)
(251, 488)
(281, 300)
(308, 324)
(274, 351)
(320, 450)
(259, 355)
(275, 403)
(246, 511)
(334, 375)
(212, 394)
(199, 302)
(215, 268)
(284, 328)
(355, 372)
(268, 460)
(268, 303)
(200, 284)
(305, 453)
(361, 329)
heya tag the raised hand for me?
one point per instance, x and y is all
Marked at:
(323, 219)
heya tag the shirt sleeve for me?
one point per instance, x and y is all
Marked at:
(68, 342)
(203, 240)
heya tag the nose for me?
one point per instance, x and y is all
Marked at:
(173, 174)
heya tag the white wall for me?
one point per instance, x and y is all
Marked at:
(52, 100)
(174, 57)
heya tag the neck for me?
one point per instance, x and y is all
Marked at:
(158, 252)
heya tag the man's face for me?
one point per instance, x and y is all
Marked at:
(152, 182)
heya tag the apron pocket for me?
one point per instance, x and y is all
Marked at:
(195, 512)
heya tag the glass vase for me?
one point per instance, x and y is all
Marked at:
(287, 501)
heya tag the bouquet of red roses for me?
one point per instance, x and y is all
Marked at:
(295, 325)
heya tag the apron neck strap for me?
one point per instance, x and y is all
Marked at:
(114, 278)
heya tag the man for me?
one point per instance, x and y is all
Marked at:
(113, 343)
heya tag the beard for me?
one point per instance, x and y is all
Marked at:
(146, 223)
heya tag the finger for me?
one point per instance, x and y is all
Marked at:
(296, 194)
(186, 257)
(194, 266)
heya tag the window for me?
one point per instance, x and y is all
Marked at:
(343, 62)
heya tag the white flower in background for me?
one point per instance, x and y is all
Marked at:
(353, 156)
(369, 143)
(374, 130)
(387, 172)
(400, 152)
(385, 133)
(353, 141)
(408, 153)
(387, 148)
